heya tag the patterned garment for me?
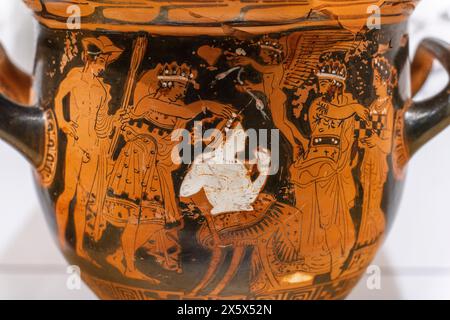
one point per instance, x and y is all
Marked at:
(376, 124)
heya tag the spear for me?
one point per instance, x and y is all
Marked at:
(140, 46)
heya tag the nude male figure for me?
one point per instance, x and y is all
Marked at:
(87, 131)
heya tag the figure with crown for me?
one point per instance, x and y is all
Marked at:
(141, 199)
(324, 187)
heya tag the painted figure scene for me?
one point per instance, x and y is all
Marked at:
(289, 219)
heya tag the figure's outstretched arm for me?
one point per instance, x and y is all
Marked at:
(335, 112)
(246, 61)
(187, 112)
(343, 112)
(169, 109)
(250, 86)
(222, 110)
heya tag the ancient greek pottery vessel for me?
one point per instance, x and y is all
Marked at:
(288, 198)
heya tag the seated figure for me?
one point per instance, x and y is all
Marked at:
(225, 178)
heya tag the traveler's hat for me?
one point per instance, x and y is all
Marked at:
(101, 45)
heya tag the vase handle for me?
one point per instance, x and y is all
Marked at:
(425, 119)
(21, 126)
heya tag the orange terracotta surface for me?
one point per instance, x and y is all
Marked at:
(128, 15)
(300, 217)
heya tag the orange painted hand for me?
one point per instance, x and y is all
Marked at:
(247, 85)
(123, 117)
(241, 61)
(371, 141)
(70, 129)
(362, 112)
(222, 110)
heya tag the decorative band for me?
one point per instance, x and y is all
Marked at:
(216, 17)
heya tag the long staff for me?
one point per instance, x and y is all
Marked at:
(140, 47)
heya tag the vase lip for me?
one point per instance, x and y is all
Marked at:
(216, 17)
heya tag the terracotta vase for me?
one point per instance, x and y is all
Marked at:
(221, 149)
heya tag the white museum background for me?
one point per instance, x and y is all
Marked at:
(414, 261)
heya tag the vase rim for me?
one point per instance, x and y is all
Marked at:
(216, 17)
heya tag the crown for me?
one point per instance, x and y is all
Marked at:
(386, 71)
(333, 70)
(171, 73)
(383, 66)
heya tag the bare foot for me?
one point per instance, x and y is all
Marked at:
(135, 274)
(116, 260)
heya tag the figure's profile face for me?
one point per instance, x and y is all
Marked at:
(330, 87)
(176, 90)
(379, 84)
(98, 65)
(324, 86)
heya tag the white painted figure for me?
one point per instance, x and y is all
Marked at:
(225, 178)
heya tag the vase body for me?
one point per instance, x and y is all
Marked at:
(145, 198)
